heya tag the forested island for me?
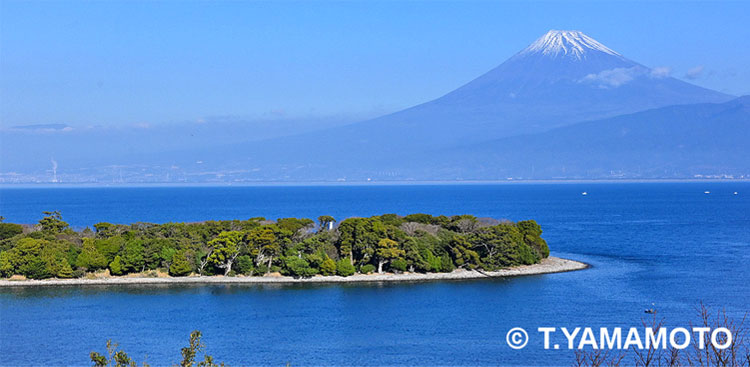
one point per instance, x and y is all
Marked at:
(294, 247)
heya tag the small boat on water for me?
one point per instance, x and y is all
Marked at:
(650, 310)
(735, 192)
(584, 193)
(706, 192)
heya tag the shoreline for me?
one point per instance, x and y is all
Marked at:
(549, 265)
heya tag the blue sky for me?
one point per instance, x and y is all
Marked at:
(117, 63)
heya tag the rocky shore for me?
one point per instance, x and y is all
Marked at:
(548, 265)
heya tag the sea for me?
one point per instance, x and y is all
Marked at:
(666, 246)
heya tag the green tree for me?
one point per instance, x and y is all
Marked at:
(419, 218)
(358, 238)
(399, 264)
(8, 230)
(497, 245)
(132, 256)
(446, 264)
(294, 225)
(7, 268)
(190, 353)
(391, 219)
(26, 258)
(526, 255)
(166, 255)
(434, 262)
(328, 267)
(266, 245)
(90, 258)
(344, 268)
(180, 265)
(116, 267)
(226, 248)
(463, 256)
(52, 222)
(114, 358)
(36, 269)
(110, 247)
(532, 236)
(244, 265)
(298, 267)
(388, 250)
(53, 255)
(66, 271)
(415, 250)
(152, 250)
(106, 230)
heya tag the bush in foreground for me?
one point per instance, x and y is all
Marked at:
(118, 358)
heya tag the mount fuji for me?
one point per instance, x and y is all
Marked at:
(562, 78)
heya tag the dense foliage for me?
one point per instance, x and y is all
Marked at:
(291, 246)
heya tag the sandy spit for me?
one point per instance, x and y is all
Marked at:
(548, 265)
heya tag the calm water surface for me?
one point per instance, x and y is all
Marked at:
(666, 243)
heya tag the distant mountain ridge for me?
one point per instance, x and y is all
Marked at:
(680, 141)
(683, 141)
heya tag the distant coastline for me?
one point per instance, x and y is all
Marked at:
(546, 266)
(47, 185)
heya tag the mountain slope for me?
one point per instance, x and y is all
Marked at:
(676, 141)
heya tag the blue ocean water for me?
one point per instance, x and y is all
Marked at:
(663, 243)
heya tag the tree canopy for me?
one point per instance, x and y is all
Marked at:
(256, 246)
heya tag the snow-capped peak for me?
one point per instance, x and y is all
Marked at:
(573, 44)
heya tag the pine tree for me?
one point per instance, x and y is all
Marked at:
(328, 267)
(180, 265)
(65, 271)
(90, 258)
(115, 267)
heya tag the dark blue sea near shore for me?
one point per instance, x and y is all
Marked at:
(669, 244)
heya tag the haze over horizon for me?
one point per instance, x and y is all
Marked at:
(147, 64)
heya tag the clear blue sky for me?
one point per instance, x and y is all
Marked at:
(152, 62)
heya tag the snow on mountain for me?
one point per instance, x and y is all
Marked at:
(574, 44)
